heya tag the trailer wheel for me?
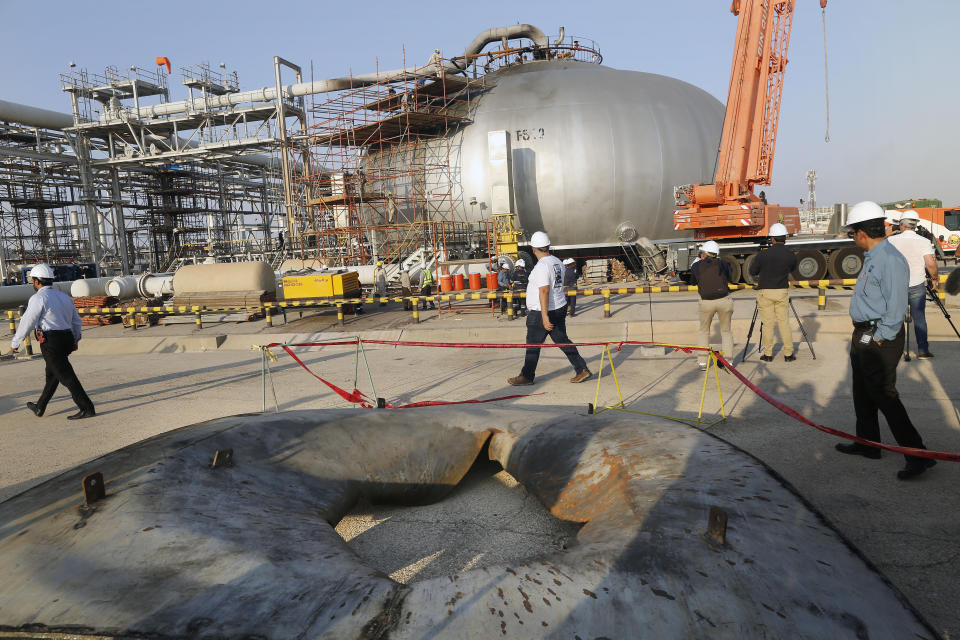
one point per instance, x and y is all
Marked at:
(747, 262)
(846, 263)
(735, 270)
(811, 265)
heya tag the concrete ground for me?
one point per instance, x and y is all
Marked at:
(171, 376)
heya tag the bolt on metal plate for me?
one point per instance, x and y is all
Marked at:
(222, 458)
(717, 525)
(93, 488)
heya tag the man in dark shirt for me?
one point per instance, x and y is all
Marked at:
(772, 268)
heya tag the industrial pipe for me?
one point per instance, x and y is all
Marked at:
(154, 285)
(18, 294)
(269, 94)
(89, 287)
(150, 285)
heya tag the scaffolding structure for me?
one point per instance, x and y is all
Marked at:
(133, 182)
(130, 191)
(384, 187)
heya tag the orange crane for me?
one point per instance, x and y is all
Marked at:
(728, 208)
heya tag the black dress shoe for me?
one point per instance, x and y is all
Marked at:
(80, 415)
(857, 449)
(789, 358)
(766, 358)
(37, 411)
(915, 468)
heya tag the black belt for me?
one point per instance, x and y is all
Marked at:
(866, 324)
(70, 331)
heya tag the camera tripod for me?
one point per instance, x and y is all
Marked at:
(753, 322)
(932, 295)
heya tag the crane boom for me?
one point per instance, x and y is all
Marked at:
(728, 208)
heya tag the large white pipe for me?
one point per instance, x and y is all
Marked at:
(89, 287)
(154, 285)
(123, 287)
(151, 285)
(18, 294)
(34, 116)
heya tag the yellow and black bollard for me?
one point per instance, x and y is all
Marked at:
(13, 324)
(268, 314)
(416, 310)
(821, 298)
(340, 313)
(606, 302)
(509, 296)
(199, 317)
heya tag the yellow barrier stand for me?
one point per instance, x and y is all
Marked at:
(712, 363)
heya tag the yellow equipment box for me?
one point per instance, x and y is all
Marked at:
(322, 285)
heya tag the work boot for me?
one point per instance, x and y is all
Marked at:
(766, 358)
(857, 449)
(519, 381)
(37, 411)
(924, 355)
(580, 377)
(789, 358)
(83, 413)
(915, 467)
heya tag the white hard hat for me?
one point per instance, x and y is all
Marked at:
(863, 211)
(505, 266)
(711, 247)
(42, 272)
(778, 230)
(910, 215)
(521, 263)
(569, 261)
(539, 240)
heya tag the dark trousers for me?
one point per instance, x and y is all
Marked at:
(406, 292)
(55, 349)
(537, 334)
(917, 300)
(875, 389)
(572, 304)
(503, 299)
(427, 290)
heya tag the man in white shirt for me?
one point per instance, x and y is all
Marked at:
(547, 313)
(53, 315)
(921, 259)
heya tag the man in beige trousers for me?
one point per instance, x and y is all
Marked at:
(772, 268)
(712, 277)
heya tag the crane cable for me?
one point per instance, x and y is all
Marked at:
(826, 71)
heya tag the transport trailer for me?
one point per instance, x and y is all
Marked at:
(818, 257)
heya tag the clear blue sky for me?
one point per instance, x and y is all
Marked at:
(894, 86)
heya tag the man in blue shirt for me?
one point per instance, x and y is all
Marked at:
(877, 309)
(54, 317)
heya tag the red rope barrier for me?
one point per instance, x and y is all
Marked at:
(358, 397)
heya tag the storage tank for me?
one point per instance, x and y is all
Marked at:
(595, 151)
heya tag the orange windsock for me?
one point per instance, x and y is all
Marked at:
(163, 60)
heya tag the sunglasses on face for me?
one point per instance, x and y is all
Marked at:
(852, 232)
